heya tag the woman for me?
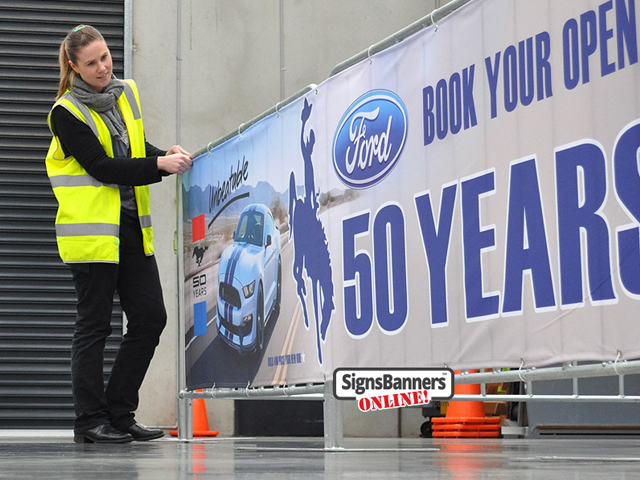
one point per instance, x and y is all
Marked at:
(100, 166)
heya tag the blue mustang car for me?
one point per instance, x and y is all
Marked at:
(249, 280)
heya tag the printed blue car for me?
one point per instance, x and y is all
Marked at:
(249, 280)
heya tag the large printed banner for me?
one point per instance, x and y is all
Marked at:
(469, 198)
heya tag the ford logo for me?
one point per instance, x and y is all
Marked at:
(370, 138)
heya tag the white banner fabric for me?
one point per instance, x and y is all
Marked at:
(468, 198)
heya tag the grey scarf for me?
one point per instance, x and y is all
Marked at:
(105, 104)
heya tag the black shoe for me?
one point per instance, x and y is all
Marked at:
(102, 434)
(141, 433)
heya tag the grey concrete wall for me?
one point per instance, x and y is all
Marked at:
(203, 68)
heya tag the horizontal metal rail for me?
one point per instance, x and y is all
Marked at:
(549, 398)
(566, 371)
(528, 376)
(300, 392)
(415, 27)
(244, 126)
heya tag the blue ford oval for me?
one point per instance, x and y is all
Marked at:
(370, 138)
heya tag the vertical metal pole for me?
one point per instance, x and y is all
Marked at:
(185, 405)
(128, 39)
(282, 60)
(185, 418)
(178, 68)
(333, 419)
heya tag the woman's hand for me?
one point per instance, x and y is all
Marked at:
(177, 160)
(177, 149)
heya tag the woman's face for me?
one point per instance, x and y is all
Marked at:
(94, 64)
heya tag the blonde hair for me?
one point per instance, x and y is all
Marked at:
(79, 37)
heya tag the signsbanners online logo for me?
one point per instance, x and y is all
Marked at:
(370, 138)
(381, 389)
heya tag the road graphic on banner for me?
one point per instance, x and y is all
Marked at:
(280, 376)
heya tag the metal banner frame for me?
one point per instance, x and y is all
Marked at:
(333, 408)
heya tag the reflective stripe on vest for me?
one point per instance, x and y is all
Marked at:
(145, 221)
(86, 229)
(131, 99)
(75, 181)
(86, 113)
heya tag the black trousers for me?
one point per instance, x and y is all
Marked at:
(137, 282)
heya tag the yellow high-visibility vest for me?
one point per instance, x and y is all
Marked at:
(88, 218)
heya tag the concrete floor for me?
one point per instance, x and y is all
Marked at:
(51, 457)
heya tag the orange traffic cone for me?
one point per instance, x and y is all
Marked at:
(200, 422)
(466, 419)
(462, 408)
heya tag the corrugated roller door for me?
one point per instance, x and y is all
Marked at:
(37, 297)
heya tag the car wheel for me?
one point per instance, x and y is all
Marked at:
(260, 321)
